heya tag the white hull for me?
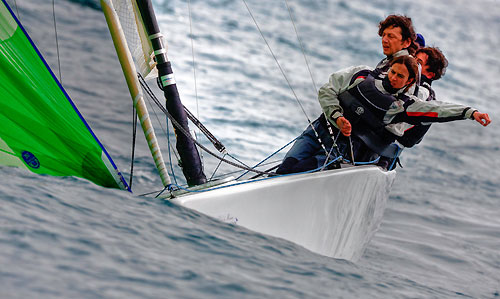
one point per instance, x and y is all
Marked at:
(334, 213)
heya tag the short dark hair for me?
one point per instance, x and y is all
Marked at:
(436, 61)
(409, 62)
(407, 30)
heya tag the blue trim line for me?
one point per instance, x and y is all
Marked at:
(67, 96)
(364, 163)
(256, 180)
(395, 158)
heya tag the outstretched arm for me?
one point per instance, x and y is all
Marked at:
(417, 112)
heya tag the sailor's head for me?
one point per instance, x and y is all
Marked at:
(397, 33)
(432, 61)
(403, 71)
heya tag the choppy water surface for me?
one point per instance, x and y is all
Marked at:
(65, 237)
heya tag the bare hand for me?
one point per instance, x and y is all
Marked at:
(344, 125)
(482, 118)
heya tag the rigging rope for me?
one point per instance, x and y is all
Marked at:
(171, 149)
(241, 165)
(256, 180)
(276, 60)
(194, 65)
(258, 164)
(301, 47)
(187, 134)
(216, 168)
(180, 128)
(165, 132)
(57, 40)
(166, 187)
(134, 134)
(218, 145)
(18, 15)
(270, 169)
(192, 54)
(253, 179)
(334, 145)
(286, 78)
(226, 174)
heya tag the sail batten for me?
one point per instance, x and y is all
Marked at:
(42, 130)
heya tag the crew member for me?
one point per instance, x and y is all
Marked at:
(355, 101)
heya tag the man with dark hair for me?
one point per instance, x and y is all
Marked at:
(398, 39)
(433, 64)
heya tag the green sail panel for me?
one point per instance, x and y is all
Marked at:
(40, 127)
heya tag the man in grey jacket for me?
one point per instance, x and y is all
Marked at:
(397, 37)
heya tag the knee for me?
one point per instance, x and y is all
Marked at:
(292, 165)
(287, 166)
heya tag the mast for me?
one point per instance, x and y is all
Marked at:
(190, 159)
(130, 73)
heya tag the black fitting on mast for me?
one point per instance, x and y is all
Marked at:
(190, 158)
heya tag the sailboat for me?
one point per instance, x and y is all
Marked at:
(330, 212)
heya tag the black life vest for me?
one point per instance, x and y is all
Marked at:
(365, 106)
(416, 133)
(432, 95)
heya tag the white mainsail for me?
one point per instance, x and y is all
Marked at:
(136, 36)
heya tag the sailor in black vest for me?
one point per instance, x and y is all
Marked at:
(433, 65)
(374, 110)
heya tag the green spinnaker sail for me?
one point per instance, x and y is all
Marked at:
(40, 127)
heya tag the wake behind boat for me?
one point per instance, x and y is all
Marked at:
(331, 212)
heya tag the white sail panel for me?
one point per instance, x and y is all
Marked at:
(7, 24)
(137, 38)
(8, 156)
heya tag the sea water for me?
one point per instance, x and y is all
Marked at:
(440, 235)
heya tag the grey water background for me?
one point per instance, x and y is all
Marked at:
(440, 236)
